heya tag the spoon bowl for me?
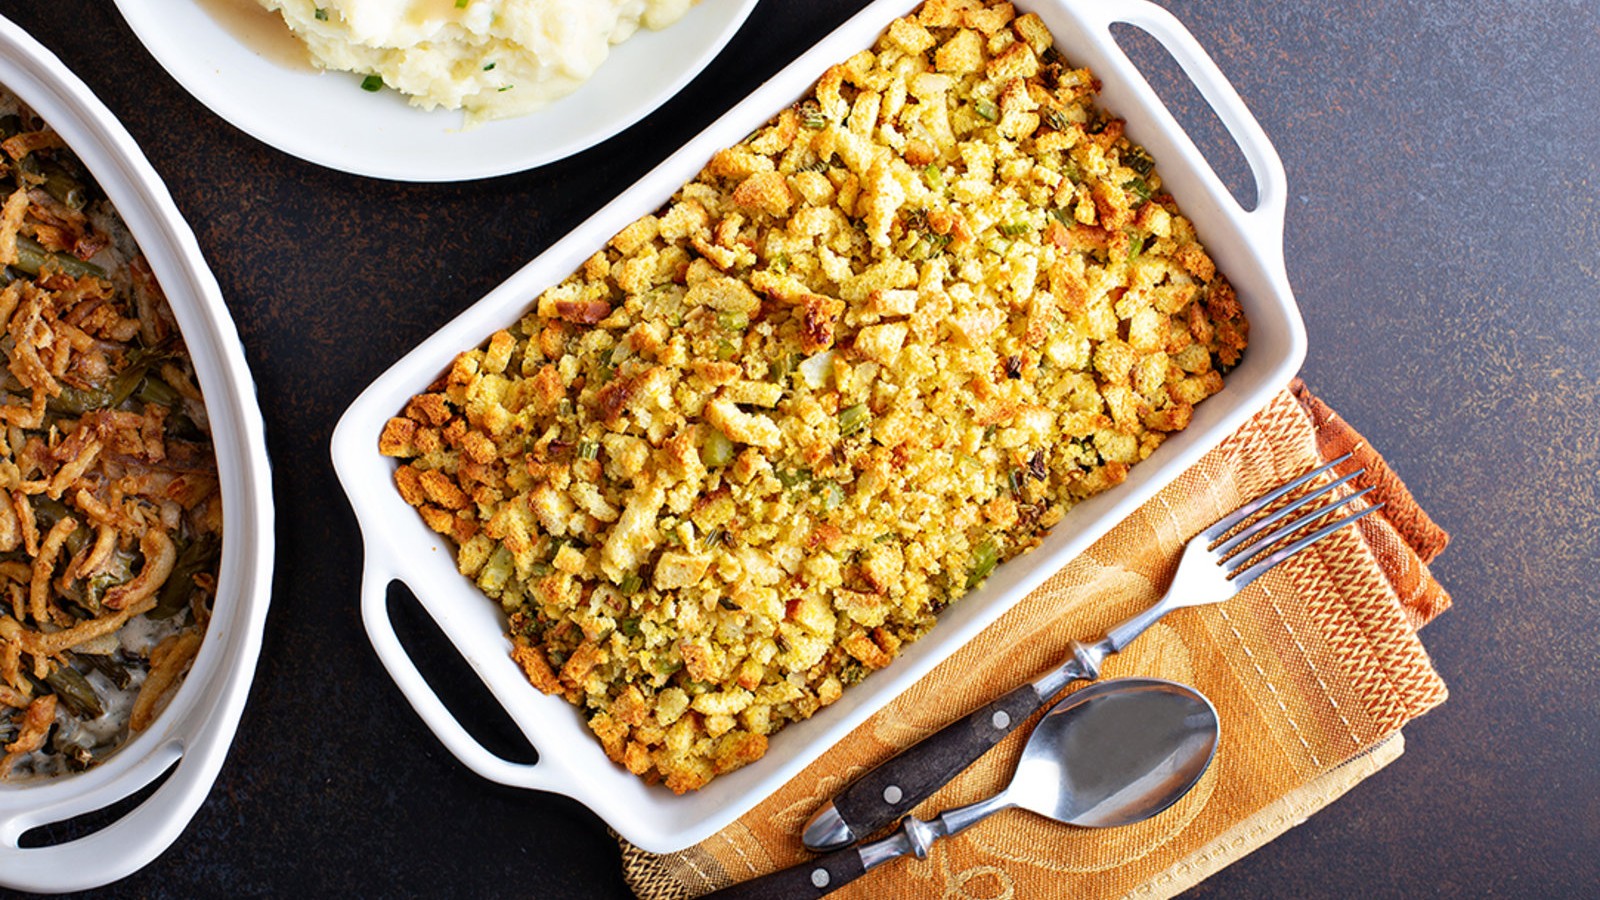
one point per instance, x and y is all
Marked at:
(1114, 753)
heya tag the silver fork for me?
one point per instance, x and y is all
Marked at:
(1216, 565)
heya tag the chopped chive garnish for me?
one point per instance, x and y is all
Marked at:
(489, 67)
(321, 14)
(372, 83)
(507, 88)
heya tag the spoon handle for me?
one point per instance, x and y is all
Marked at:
(828, 873)
(802, 882)
(885, 794)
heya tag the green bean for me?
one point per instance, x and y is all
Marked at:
(154, 390)
(984, 558)
(195, 557)
(48, 512)
(33, 258)
(110, 668)
(77, 540)
(60, 184)
(75, 402)
(75, 692)
(78, 756)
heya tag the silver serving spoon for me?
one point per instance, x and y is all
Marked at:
(1114, 753)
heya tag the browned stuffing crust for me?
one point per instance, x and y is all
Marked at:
(752, 447)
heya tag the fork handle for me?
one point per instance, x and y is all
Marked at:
(885, 794)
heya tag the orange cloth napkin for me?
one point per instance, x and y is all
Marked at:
(1314, 670)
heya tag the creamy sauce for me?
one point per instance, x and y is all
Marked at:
(262, 31)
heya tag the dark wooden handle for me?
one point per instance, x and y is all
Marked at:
(885, 794)
(802, 882)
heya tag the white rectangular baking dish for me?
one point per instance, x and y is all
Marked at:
(1247, 245)
(191, 737)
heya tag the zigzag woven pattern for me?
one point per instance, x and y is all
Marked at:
(1316, 665)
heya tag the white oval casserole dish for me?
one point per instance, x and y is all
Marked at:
(1247, 245)
(192, 735)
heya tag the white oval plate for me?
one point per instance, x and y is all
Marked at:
(326, 118)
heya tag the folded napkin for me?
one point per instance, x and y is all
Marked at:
(1314, 670)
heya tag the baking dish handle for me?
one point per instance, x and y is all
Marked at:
(375, 581)
(1272, 189)
(126, 845)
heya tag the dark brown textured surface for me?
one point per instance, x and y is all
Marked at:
(1443, 239)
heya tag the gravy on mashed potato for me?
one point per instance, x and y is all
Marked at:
(492, 58)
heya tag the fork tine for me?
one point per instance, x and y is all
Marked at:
(1246, 576)
(1223, 548)
(1226, 523)
(1238, 560)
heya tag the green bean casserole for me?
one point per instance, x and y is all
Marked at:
(110, 518)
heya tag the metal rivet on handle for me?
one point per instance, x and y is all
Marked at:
(819, 877)
(1001, 719)
(892, 794)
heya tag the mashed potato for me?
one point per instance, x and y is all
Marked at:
(492, 58)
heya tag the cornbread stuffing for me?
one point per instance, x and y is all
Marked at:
(755, 444)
